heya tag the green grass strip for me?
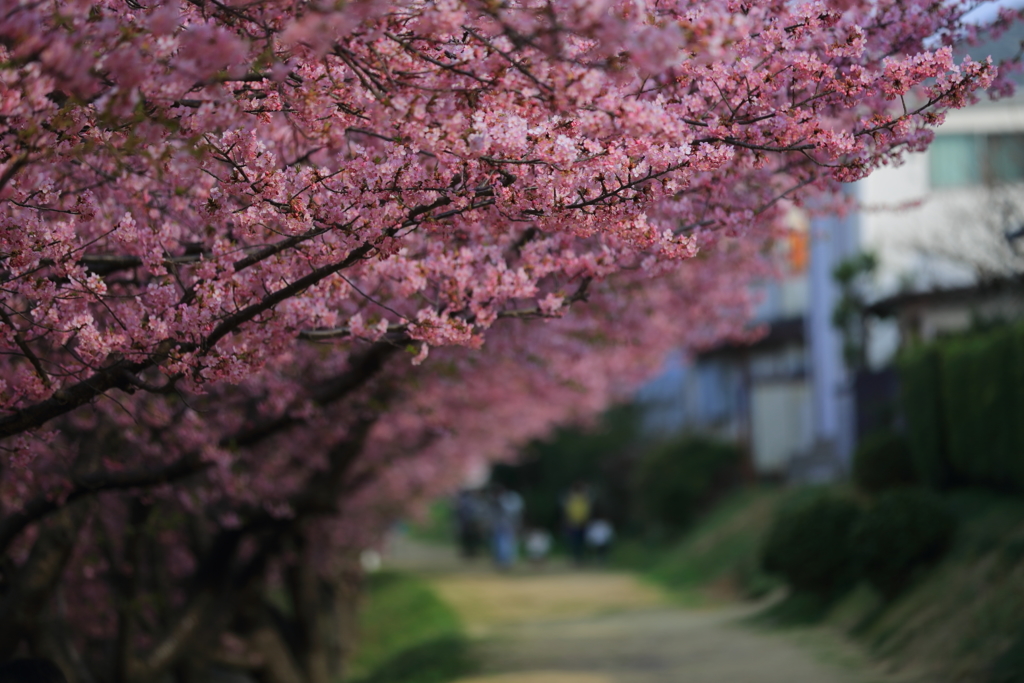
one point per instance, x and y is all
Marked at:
(407, 635)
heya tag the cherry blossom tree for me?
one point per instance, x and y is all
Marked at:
(324, 486)
(223, 224)
(189, 188)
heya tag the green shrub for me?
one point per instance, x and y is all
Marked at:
(882, 462)
(962, 398)
(983, 395)
(1009, 667)
(680, 478)
(809, 544)
(901, 533)
(924, 413)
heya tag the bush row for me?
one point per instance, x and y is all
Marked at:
(822, 543)
(962, 400)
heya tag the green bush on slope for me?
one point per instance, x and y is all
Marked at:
(901, 533)
(810, 543)
(883, 461)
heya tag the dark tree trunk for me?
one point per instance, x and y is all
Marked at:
(28, 593)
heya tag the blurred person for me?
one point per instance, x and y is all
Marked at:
(506, 515)
(576, 513)
(599, 537)
(470, 523)
(538, 545)
(33, 670)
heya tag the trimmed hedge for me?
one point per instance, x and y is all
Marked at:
(963, 401)
(983, 391)
(903, 532)
(882, 462)
(923, 411)
(810, 544)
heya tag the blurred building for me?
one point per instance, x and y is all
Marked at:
(757, 394)
(947, 227)
(942, 226)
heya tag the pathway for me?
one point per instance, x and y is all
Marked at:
(557, 625)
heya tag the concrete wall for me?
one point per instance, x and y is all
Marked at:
(780, 424)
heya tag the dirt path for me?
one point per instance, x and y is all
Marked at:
(563, 626)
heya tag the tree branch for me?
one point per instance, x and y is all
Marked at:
(91, 484)
(362, 368)
(25, 348)
(115, 375)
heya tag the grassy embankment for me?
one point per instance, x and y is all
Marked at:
(407, 634)
(961, 620)
(717, 560)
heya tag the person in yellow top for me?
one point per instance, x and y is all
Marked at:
(576, 510)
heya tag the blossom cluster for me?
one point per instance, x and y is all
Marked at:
(186, 188)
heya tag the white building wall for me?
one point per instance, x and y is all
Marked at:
(780, 424)
(931, 238)
(906, 221)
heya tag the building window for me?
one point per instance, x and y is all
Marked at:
(965, 160)
(1006, 158)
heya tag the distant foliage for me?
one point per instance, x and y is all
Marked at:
(903, 532)
(882, 462)
(963, 399)
(599, 455)
(679, 478)
(852, 276)
(810, 543)
(637, 483)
